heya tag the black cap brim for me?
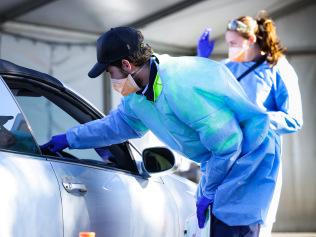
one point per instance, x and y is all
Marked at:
(97, 70)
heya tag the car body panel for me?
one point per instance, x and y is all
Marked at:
(30, 201)
(183, 192)
(115, 203)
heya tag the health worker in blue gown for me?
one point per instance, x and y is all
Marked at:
(256, 58)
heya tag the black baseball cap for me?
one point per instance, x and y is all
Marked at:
(113, 45)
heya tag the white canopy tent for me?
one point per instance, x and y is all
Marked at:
(58, 37)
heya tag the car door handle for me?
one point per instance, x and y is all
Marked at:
(75, 187)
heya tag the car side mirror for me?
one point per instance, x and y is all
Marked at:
(157, 160)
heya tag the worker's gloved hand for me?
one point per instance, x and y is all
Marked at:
(201, 206)
(57, 143)
(104, 153)
(205, 46)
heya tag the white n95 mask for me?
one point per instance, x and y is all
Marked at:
(125, 86)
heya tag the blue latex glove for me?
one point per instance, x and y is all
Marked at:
(103, 152)
(201, 207)
(57, 143)
(205, 46)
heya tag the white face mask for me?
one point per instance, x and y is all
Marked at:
(237, 54)
(125, 86)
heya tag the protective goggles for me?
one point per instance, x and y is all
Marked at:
(238, 26)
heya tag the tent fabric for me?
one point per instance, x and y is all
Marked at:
(67, 63)
(297, 209)
(49, 39)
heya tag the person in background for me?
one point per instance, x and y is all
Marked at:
(256, 58)
(209, 120)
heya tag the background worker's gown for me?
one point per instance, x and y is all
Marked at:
(276, 91)
(203, 113)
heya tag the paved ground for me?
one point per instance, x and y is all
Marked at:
(294, 235)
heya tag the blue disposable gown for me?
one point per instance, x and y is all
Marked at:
(275, 90)
(203, 113)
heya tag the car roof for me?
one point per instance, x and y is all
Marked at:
(8, 68)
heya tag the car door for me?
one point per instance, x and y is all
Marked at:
(30, 203)
(109, 198)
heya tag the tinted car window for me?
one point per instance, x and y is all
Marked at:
(15, 134)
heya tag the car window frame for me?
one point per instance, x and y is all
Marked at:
(83, 107)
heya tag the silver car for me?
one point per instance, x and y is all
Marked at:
(63, 194)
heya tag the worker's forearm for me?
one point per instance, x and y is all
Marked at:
(110, 130)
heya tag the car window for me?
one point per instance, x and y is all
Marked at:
(47, 119)
(15, 134)
(50, 111)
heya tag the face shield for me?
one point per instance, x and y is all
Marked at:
(238, 26)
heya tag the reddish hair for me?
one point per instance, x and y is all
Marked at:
(264, 29)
